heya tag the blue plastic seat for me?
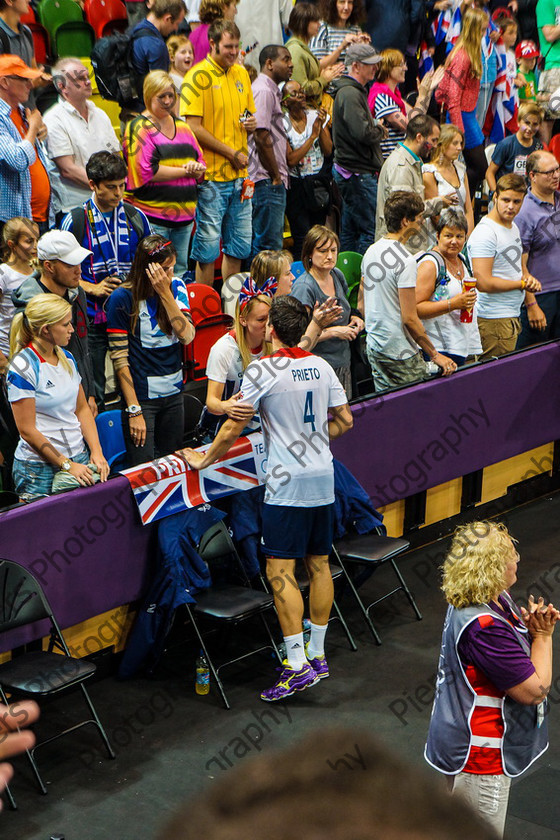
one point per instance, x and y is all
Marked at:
(298, 268)
(111, 438)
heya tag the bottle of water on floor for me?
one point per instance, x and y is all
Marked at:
(202, 684)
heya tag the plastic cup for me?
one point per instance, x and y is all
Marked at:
(466, 314)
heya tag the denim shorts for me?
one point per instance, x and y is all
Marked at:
(33, 479)
(220, 214)
(297, 532)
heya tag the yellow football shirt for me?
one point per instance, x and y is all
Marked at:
(220, 98)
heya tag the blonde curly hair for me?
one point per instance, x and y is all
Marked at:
(474, 569)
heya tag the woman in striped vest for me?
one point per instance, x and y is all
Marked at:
(489, 722)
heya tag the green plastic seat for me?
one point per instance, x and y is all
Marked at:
(53, 13)
(350, 263)
(74, 38)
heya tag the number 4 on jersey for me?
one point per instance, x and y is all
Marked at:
(308, 416)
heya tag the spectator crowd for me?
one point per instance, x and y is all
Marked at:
(421, 141)
(391, 167)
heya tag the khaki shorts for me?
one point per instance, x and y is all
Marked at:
(387, 372)
(498, 336)
(549, 82)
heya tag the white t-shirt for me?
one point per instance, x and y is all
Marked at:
(490, 239)
(55, 392)
(10, 281)
(70, 134)
(387, 267)
(311, 163)
(293, 391)
(225, 364)
(446, 331)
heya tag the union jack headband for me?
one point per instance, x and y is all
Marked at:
(250, 290)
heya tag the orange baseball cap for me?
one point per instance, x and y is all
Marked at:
(13, 65)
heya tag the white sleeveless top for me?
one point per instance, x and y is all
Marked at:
(446, 331)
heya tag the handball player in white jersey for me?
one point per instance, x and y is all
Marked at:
(302, 406)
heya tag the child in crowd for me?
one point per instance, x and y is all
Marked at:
(19, 251)
(527, 80)
(181, 55)
(508, 28)
(510, 154)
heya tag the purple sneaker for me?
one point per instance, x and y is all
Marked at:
(290, 681)
(319, 665)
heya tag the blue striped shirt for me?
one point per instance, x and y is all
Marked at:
(16, 156)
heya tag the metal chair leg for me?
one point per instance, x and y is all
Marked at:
(359, 601)
(97, 722)
(208, 658)
(406, 590)
(30, 756)
(345, 627)
(10, 798)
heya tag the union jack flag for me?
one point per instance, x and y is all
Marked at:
(168, 485)
(502, 113)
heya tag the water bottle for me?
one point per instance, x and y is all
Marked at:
(202, 684)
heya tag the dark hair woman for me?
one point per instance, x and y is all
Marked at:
(304, 25)
(339, 28)
(148, 319)
(309, 139)
(323, 280)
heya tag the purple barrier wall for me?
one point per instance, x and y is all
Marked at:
(431, 433)
(91, 553)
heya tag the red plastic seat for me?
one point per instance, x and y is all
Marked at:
(106, 16)
(28, 17)
(211, 324)
(554, 147)
(41, 43)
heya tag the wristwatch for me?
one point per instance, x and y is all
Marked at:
(134, 409)
(66, 465)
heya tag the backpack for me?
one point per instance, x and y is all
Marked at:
(111, 59)
(133, 219)
(442, 276)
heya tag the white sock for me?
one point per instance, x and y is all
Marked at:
(316, 646)
(295, 651)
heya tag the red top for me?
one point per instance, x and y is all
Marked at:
(462, 87)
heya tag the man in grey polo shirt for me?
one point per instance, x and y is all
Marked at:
(403, 171)
(539, 226)
(16, 38)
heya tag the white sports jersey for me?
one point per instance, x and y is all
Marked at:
(55, 392)
(293, 391)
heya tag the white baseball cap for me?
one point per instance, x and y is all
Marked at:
(61, 245)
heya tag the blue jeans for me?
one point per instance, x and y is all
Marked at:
(181, 239)
(359, 205)
(220, 214)
(549, 302)
(33, 479)
(269, 206)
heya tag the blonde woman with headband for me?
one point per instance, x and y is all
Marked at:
(489, 719)
(57, 429)
(233, 352)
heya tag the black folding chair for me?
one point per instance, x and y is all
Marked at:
(39, 673)
(228, 605)
(373, 551)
